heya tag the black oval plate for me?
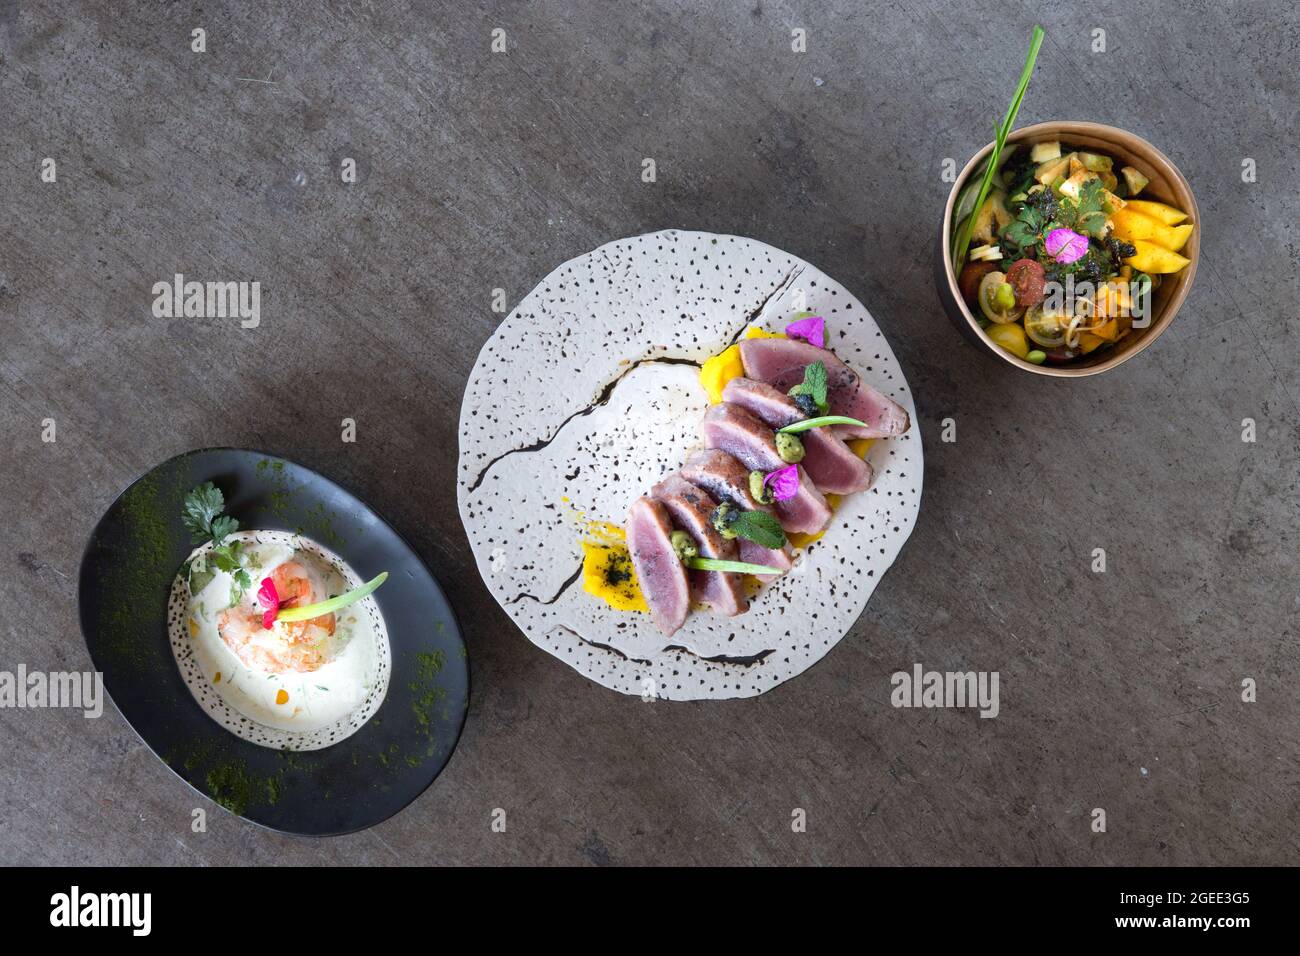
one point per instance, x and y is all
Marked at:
(126, 574)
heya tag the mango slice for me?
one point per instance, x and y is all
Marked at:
(1130, 225)
(1154, 259)
(1158, 211)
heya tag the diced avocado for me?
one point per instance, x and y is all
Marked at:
(1072, 186)
(992, 217)
(1049, 170)
(1042, 152)
(1096, 162)
(1108, 180)
(1135, 180)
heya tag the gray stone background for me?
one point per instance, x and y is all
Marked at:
(1118, 690)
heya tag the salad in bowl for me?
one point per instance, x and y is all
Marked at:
(1067, 247)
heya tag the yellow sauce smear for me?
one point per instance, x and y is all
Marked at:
(716, 372)
(607, 571)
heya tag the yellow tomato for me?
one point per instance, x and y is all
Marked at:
(1010, 336)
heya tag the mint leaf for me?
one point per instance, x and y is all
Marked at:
(760, 528)
(814, 385)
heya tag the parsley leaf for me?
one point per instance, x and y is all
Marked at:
(814, 385)
(759, 527)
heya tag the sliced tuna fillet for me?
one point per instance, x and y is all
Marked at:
(730, 428)
(781, 363)
(757, 554)
(832, 465)
(660, 573)
(691, 510)
(726, 479)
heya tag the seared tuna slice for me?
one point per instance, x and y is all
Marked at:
(691, 510)
(726, 479)
(755, 553)
(731, 429)
(832, 465)
(781, 363)
(659, 571)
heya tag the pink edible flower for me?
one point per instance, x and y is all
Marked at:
(268, 598)
(1066, 245)
(783, 483)
(811, 330)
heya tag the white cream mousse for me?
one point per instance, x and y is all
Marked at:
(293, 675)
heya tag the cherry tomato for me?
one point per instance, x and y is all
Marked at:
(1045, 328)
(997, 299)
(1061, 356)
(969, 282)
(1028, 279)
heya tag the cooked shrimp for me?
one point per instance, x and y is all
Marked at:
(287, 645)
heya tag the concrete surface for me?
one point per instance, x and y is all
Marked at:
(477, 171)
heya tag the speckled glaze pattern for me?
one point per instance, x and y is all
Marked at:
(588, 393)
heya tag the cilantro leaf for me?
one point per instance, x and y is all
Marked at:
(226, 559)
(202, 505)
(222, 526)
(814, 385)
(759, 527)
(201, 513)
(1026, 231)
(1092, 198)
(1090, 210)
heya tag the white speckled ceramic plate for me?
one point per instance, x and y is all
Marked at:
(588, 393)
